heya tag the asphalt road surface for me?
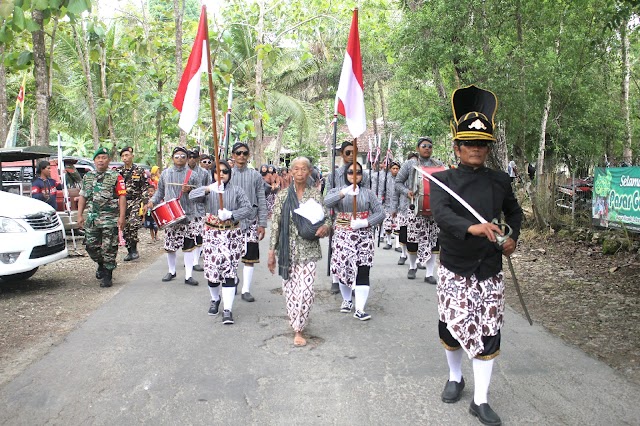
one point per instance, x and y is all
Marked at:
(152, 355)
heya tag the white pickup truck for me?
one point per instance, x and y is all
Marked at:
(31, 235)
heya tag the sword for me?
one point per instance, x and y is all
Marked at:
(500, 239)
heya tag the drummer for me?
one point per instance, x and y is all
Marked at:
(223, 237)
(422, 231)
(352, 243)
(175, 184)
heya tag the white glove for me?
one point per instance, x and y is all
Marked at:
(359, 223)
(224, 214)
(214, 187)
(348, 190)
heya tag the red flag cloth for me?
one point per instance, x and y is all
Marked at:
(187, 99)
(350, 94)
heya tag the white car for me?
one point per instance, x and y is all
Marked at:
(31, 235)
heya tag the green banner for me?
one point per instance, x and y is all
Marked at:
(616, 198)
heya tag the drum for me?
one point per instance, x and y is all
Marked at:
(423, 199)
(168, 213)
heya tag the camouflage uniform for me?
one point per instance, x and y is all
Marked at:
(136, 183)
(101, 190)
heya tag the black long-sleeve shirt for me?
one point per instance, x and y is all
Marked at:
(490, 193)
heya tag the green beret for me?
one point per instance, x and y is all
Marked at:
(101, 150)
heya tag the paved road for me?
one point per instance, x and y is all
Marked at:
(152, 355)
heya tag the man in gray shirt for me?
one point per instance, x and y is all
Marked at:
(253, 227)
(204, 176)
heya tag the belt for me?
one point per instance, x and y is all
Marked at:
(222, 225)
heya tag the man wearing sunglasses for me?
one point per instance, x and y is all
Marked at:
(205, 162)
(253, 227)
(175, 183)
(338, 175)
(470, 280)
(422, 231)
(204, 179)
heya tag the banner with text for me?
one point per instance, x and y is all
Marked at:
(616, 198)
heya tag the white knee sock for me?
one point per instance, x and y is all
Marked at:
(334, 279)
(247, 276)
(405, 253)
(345, 291)
(389, 238)
(228, 293)
(188, 264)
(454, 359)
(481, 377)
(413, 261)
(362, 294)
(171, 260)
(196, 255)
(397, 238)
(431, 263)
(215, 293)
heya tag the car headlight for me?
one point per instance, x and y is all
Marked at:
(10, 225)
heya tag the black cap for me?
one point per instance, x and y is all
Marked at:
(179, 149)
(345, 144)
(424, 139)
(474, 110)
(125, 149)
(239, 145)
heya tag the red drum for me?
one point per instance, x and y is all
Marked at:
(423, 199)
(168, 213)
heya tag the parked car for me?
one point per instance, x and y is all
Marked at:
(577, 191)
(18, 175)
(31, 235)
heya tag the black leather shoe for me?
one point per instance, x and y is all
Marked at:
(129, 256)
(412, 274)
(134, 255)
(100, 271)
(398, 249)
(452, 391)
(387, 247)
(191, 281)
(198, 268)
(107, 280)
(402, 260)
(335, 288)
(430, 280)
(485, 414)
(247, 297)
(168, 277)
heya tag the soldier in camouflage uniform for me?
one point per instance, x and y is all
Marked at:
(136, 183)
(104, 195)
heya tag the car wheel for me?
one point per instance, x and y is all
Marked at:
(21, 276)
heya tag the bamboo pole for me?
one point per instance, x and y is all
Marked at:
(355, 171)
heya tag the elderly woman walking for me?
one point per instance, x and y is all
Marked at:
(296, 241)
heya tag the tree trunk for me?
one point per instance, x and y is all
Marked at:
(257, 148)
(4, 103)
(278, 144)
(83, 55)
(41, 76)
(374, 121)
(53, 39)
(159, 130)
(105, 96)
(519, 145)
(442, 91)
(178, 15)
(383, 111)
(627, 153)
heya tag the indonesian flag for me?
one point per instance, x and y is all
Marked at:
(187, 99)
(350, 95)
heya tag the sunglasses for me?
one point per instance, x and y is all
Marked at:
(183, 156)
(480, 144)
(426, 145)
(348, 152)
(205, 161)
(245, 153)
(225, 171)
(350, 172)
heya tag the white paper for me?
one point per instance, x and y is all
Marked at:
(311, 210)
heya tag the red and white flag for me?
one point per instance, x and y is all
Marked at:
(187, 99)
(350, 95)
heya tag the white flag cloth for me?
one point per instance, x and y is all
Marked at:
(311, 210)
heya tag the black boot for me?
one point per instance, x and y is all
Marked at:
(134, 251)
(107, 279)
(129, 256)
(100, 271)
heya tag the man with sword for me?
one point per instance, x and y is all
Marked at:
(470, 285)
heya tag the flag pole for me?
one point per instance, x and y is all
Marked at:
(333, 185)
(354, 169)
(227, 121)
(212, 96)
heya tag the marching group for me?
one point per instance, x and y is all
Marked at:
(226, 210)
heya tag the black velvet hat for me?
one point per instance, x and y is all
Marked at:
(474, 110)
